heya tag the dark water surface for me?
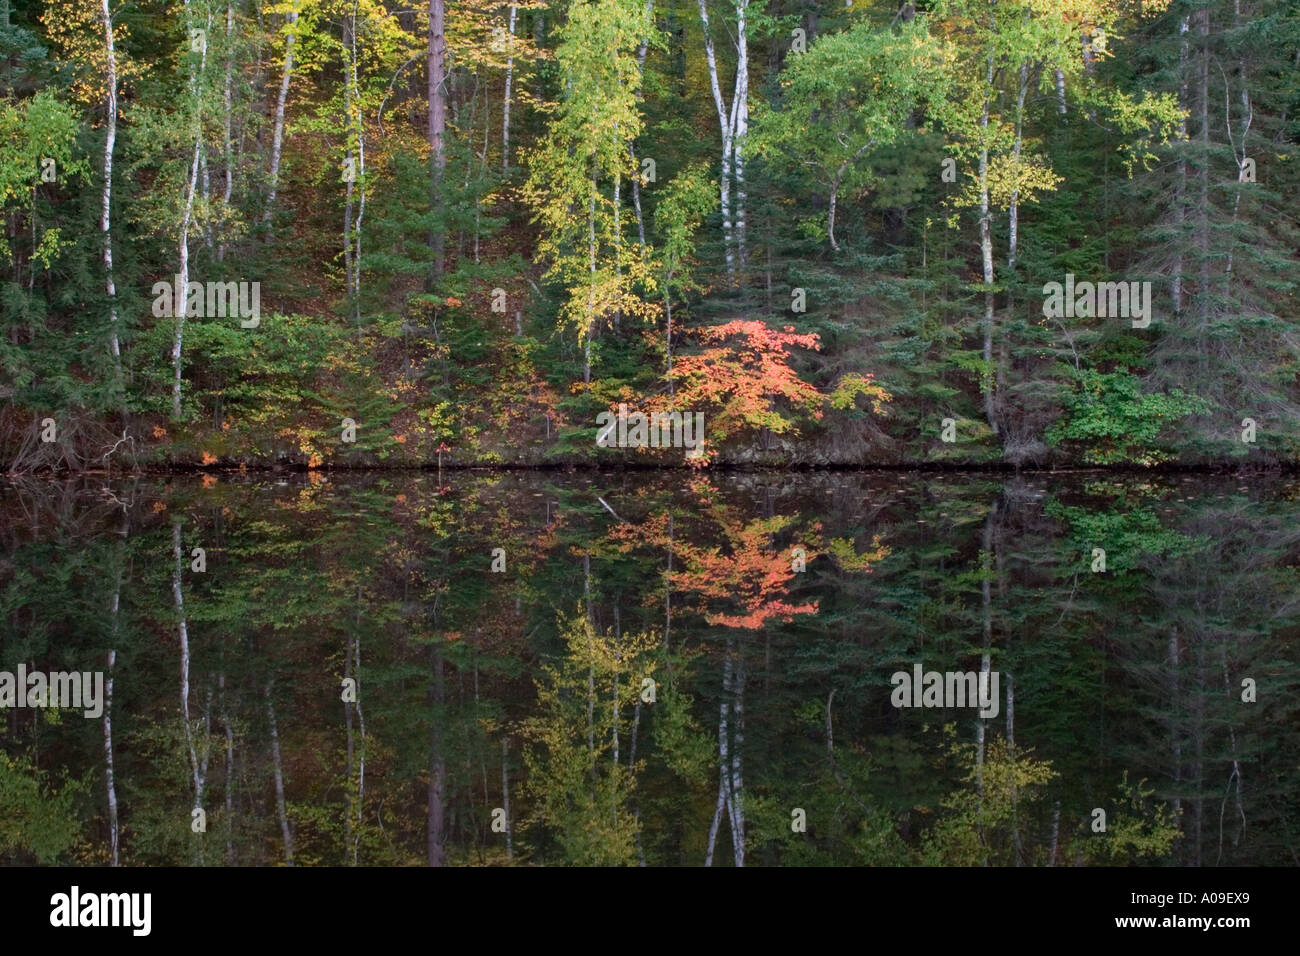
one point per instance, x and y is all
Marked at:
(654, 679)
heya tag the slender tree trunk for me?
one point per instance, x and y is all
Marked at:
(505, 797)
(361, 180)
(230, 774)
(278, 773)
(106, 210)
(183, 271)
(740, 125)
(724, 770)
(437, 767)
(437, 69)
(727, 126)
(591, 291)
(178, 599)
(986, 253)
(1203, 174)
(228, 151)
(506, 98)
(1247, 115)
(277, 137)
(736, 787)
(1175, 728)
(986, 605)
(1180, 172)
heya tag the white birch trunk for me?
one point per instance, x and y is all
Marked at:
(740, 127)
(228, 150)
(183, 270)
(106, 212)
(725, 124)
(506, 98)
(277, 136)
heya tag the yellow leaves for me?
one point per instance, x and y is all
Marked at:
(159, 432)
(209, 459)
(315, 460)
(209, 481)
(1023, 179)
(76, 30)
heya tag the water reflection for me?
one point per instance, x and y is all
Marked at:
(656, 669)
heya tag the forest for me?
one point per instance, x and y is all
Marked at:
(525, 434)
(318, 233)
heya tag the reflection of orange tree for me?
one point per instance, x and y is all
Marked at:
(747, 569)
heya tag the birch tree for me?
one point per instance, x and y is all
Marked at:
(290, 30)
(575, 173)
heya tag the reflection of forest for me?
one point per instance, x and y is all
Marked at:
(667, 671)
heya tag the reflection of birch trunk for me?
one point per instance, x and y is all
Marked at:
(723, 770)
(230, 774)
(1056, 833)
(591, 667)
(1198, 728)
(361, 722)
(278, 771)
(114, 833)
(735, 800)
(614, 714)
(986, 603)
(178, 598)
(505, 797)
(108, 740)
(730, 777)
(1175, 741)
(437, 766)
(351, 750)
(1236, 766)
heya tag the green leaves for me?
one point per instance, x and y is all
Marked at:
(1115, 422)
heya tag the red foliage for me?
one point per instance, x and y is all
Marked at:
(743, 376)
